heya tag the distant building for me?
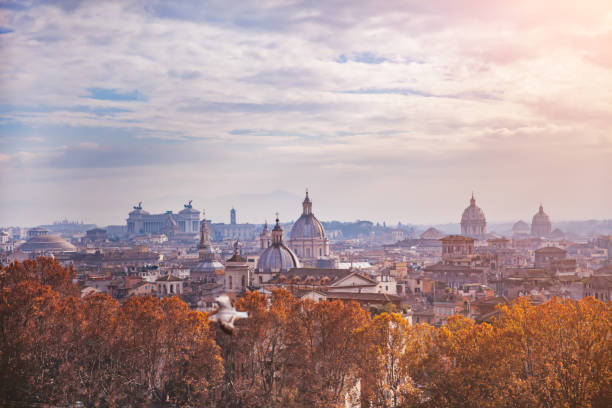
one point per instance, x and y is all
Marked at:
(457, 246)
(41, 242)
(600, 287)
(187, 221)
(233, 216)
(544, 257)
(473, 221)
(432, 233)
(520, 229)
(540, 224)
(96, 235)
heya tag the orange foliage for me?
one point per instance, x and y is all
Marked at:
(58, 348)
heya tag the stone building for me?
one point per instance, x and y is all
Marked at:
(307, 238)
(457, 246)
(187, 221)
(540, 224)
(169, 285)
(473, 221)
(544, 257)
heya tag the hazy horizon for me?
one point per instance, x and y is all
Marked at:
(386, 112)
(289, 208)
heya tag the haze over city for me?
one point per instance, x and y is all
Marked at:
(393, 112)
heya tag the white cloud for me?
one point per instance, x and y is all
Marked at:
(430, 91)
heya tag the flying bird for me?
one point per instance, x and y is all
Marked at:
(226, 314)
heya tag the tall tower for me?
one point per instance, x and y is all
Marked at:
(265, 238)
(205, 249)
(233, 216)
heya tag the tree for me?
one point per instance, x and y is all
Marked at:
(385, 376)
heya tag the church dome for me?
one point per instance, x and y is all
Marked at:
(47, 243)
(473, 221)
(473, 213)
(277, 257)
(540, 223)
(432, 233)
(307, 226)
(520, 227)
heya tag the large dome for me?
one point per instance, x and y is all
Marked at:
(277, 257)
(307, 226)
(473, 221)
(47, 243)
(540, 224)
(473, 213)
(540, 217)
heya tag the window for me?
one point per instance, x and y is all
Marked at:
(230, 282)
(243, 281)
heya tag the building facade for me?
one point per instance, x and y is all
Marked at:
(186, 221)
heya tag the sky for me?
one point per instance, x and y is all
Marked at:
(388, 111)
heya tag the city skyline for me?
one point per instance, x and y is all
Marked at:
(288, 201)
(386, 112)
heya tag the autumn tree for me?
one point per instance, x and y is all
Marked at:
(384, 366)
(58, 348)
(324, 348)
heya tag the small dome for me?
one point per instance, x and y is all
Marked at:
(277, 258)
(432, 233)
(520, 227)
(47, 243)
(208, 265)
(557, 234)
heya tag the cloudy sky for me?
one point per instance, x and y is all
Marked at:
(389, 111)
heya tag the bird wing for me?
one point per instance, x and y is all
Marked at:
(224, 302)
